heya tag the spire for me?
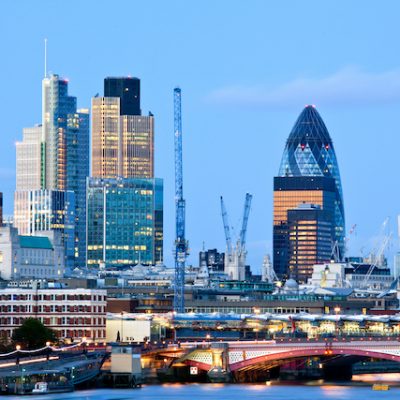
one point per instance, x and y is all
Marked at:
(45, 57)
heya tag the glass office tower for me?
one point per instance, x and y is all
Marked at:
(65, 151)
(125, 202)
(125, 221)
(127, 89)
(308, 173)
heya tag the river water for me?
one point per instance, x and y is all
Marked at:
(228, 392)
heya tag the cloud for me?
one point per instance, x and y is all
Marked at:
(348, 86)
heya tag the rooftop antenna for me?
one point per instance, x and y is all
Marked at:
(45, 57)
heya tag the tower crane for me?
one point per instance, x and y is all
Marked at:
(243, 231)
(181, 245)
(226, 227)
(378, 253)
(235, 259)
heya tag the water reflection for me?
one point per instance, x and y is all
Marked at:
(227, 392)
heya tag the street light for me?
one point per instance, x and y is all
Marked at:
(17, 348)
(48, 350)
(337, 310)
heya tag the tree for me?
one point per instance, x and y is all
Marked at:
(32, 334)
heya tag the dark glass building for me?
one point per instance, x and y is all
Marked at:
(128, 90)
(310, 231)
(308, 173)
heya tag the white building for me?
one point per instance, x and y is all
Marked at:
(354, 275)
(331, 275)
(127, 329)
(28, 159)
(73, 313)
(35, 257)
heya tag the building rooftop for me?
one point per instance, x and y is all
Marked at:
(35, 242)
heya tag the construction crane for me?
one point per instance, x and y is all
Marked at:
(378, 253)
(235, 258)
(226, 228)
(181, 244)
(243, 231)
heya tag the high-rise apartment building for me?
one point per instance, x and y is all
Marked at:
(309, 173)
(125, 221)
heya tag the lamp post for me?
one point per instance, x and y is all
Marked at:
(122, 326)
(17, 348)
(48, 350)
(337, 310)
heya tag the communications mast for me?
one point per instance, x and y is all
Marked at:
(181, 244)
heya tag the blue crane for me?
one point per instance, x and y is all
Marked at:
(181, 244)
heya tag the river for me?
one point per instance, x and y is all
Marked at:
(227, 392)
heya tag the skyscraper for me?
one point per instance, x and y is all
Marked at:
(124, 221)
(66, 138)
(54, 156)
(125, 203)
(122, 138)
(127, 89)
(29, 159)
(310, 239)
(308, 173)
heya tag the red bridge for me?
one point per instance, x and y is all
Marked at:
(240, 356)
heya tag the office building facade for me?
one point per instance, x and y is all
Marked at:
(310, 231)
(127, 89)
(125, 201)
(124, 221)
(29, 160)
(289, 193)
(308, 173)
(122, 145)
(30, 257)
(37, 212)
(73, 314)
(65, 152)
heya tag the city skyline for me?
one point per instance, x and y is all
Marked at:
(235, 105)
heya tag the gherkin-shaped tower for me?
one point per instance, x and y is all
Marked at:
(308, 165)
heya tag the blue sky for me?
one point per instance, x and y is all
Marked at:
(246, 69)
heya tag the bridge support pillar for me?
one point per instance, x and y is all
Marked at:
(219, 371)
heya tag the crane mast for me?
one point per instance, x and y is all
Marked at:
(181, 245)
(235, 258)
(226, 228)
(246, 212)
